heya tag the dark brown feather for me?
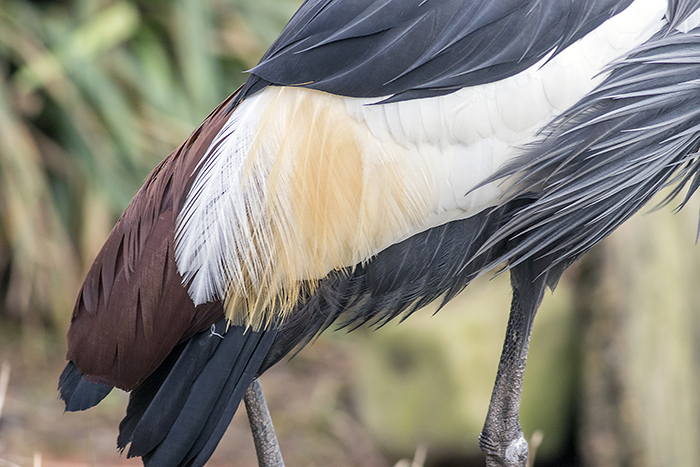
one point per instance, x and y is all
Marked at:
(133, 309)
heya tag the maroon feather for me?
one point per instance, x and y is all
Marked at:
(133, 309)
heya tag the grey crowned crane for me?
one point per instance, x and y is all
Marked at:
(382, 155)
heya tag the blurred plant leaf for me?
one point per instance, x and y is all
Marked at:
(43, 272)
(93, 93)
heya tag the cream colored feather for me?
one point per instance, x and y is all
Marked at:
(299, 183)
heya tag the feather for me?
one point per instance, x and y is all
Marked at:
(300, 183)
(293, 208)
(77, 392)
(438, 262)
(416, 49)
(300, 197)
(179, 414)
(133, 309)
(634, 135)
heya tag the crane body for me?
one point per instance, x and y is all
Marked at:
(382, 155)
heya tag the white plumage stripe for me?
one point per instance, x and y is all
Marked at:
(222, 169)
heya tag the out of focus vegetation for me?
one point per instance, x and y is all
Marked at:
(93, 93)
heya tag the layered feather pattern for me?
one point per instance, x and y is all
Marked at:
(299, 183)
(181, 412)
(133, 308)
(415, 48)
(606, 157)
(290, 199)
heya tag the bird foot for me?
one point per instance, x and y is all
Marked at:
(508, 451)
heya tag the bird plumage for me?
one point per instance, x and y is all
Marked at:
(133, 309)
(300, 183)
(382, 155)
(419, 48)
(608, 155)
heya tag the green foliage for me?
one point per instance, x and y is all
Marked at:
(93, 93)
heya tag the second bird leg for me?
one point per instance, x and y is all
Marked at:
(502, 439)
(266, 445)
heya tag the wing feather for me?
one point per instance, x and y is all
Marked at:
(414, 48)
(133, 308)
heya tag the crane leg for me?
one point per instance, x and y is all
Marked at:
(502, 439)
(266, 446)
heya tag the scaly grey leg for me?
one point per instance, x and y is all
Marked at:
(502, 439)
(266, 446)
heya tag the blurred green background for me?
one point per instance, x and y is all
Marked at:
(94, 93)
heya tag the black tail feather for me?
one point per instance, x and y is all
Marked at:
(168, 399)
(228, 402)
(179, 414)
(142, 397)
(77, 392)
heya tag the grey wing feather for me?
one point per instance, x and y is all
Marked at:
(608, 155)
(679, 11)
(420, 48)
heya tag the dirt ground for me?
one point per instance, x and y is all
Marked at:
(309, 398)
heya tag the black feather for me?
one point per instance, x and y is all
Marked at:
(178, 415)
(77, 392)
(174, 392)
(141, 397)
(416, 48)
(216, 424)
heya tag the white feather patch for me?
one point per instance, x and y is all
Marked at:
(299, 182)
(215, 216)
